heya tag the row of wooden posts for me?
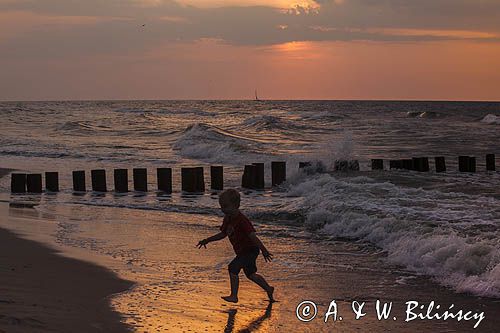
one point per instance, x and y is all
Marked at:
(465, 164)
(192, 179)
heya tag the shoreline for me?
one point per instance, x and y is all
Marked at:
(178, 286)
(41, 290)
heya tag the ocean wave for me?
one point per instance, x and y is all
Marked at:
(268, 122)
(491, 119)
(323, 115)
(426, 114)
(428, 232)
(81, 127)
(49, 154)
(212, 144)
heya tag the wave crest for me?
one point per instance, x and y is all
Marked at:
(491, 119)
(428, 232)
(212, 144)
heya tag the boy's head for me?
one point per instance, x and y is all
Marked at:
(229, 201)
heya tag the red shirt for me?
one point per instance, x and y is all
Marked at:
(237, 229)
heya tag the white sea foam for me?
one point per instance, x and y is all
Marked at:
(211, 144)
(491, 119)
(428, 232)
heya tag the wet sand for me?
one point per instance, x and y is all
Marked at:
(178, 286)
(42, 291)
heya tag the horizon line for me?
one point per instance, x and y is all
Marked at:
(253, 100)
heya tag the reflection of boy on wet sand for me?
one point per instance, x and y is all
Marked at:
(245, 243)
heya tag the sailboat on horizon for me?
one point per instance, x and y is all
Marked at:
(256, 97)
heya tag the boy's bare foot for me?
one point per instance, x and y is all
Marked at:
(270, 294)
(231, 299)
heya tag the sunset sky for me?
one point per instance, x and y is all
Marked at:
(215, 49)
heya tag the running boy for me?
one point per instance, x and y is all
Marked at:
(245, 243)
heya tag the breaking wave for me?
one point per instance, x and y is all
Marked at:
(491, 119)
(269, 122)
(212, 144)
(452, 237)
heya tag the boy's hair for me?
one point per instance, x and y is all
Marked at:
(232, 195)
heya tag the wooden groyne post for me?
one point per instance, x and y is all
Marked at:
(34, 183)
(249, 176)
(52, 181)
(164, 179)
(98, 180)
(18, 183)
(341, 165)
(121, 180)
(192, 179)
(420, 164)
(395, 164)
(278, 172)
(140, 179)
(377, 164)
(259, 176)
(467, 164)
(490, 162)
(217, 177)
(345, 165)
(440, 163)
(303, 165)
(200, 179)
(79, 181)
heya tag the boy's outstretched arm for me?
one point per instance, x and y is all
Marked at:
(204, 242)
(267, 255)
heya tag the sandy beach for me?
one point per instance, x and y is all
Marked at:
(178, 287)
(42, 291)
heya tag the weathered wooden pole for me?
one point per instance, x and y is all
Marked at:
(188, 182)
(377, 164)
(463, 163)
(121, 180)
(248, 178)
(420, 164)
(52, 181)
(18, 183)
(258, 182)
(353, 165)
(407, 164)
(416, 163)
(164, 179)
(467, 164)
(34, 183)
(303, 165)
(278, 173)
(341, 165)
(216, 177)
(140, 179)
(79, 181)
(200, 179)
(98, 180)
(472, 164)
(490, 162)
(192, 179)
(440, 163)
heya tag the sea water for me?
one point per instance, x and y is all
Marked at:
(445, 226)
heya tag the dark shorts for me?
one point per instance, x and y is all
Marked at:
(246, 261)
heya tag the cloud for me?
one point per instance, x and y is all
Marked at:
(115, 26)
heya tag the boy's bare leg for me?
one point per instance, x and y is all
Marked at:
(235, 281)
(259, 279)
